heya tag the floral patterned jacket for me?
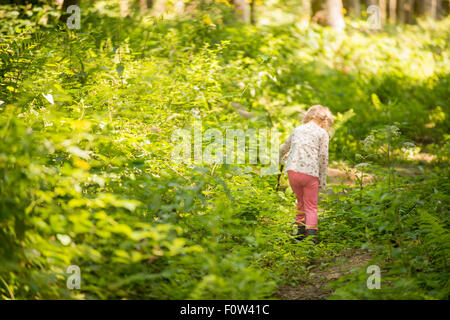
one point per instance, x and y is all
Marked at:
(306, 151)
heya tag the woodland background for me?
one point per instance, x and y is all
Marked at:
(87, 179)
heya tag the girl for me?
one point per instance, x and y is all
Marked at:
(306, 155)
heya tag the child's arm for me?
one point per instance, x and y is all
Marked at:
(323, 161)
(285, 147)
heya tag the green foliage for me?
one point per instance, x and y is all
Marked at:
(407, 230)
(87, 179)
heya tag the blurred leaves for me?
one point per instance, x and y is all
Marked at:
(86, 176)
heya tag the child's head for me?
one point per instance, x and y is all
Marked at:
(321, 115)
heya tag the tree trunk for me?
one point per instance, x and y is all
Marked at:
(65, 5)
(253, 12)
(144, 5)
(68, 3)
(393, 11)
(124, 8)
(401, 11)
(179, 6)
(306, 7)
(441, 11)
(428, 8)
(316, 6)
(335, 18)
(306, 13)
(242, 10)
(353, 7)
(159, 7)
(410, 11)
(383, 11)
(406, 11)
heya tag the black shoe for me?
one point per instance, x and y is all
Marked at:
(313, 234)
(301, 233)
(301, 230)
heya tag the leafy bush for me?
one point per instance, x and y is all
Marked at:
(86, 176)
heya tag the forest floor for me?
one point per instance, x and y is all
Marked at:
(324, 271)
(315, 287)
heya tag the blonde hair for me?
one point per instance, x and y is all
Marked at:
(322, 115)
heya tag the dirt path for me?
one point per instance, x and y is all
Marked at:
(348, 176)
(315, 286)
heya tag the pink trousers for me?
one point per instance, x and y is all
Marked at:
(306, 188)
